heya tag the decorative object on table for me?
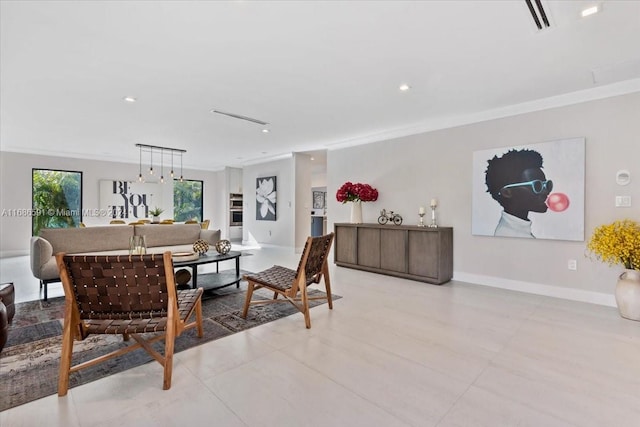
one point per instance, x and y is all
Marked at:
(421, 213)
(356, 193)
(223, 246)
(389, 217)
(433, 205)
(155, 213)
(182, 276)
(619, 243)
(266, 198)
(184, 256)
(201, 246)
(137, 245)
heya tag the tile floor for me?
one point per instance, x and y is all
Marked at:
(393, 352)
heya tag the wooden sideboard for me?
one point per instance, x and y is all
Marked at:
(418, 253)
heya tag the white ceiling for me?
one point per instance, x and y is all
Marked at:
(323, 74)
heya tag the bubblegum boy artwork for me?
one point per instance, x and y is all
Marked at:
(516, 181)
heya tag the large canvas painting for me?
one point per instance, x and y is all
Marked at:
(266, 199)
(530, 191)
(129, 200)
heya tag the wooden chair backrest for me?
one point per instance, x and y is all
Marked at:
(314, 256)
(120, 286)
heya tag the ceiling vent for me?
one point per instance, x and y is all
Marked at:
(538, 13)
(238, 116)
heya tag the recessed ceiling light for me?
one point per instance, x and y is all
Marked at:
(129, 99)
(312, 158)
(589, 11)
(404, 87)
(265, 131)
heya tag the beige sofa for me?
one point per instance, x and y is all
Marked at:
(109, 240)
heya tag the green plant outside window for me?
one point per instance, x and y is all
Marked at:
(56, 199)
(187, 200)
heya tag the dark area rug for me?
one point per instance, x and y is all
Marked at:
(30, 360)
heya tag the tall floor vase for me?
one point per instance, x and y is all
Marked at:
(628, 294)
(356, 212)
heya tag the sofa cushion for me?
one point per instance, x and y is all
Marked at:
(88, 239)
(169, 234)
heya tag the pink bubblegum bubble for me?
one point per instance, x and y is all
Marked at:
(557, 202)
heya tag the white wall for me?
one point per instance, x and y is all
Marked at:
(302, 199)
(409, 171)
(281, 231)
(16, 192)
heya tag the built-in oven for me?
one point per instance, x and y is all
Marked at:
(235, 203)
(235, 217)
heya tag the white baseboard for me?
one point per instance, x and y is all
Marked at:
(538, 289)
(11, 254)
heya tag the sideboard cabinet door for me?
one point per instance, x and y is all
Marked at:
(424, 253)
(346, 245)
(393, 248)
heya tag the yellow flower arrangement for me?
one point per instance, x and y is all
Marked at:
(617, 243)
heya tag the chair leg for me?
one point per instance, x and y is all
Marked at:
(169, 341)
(247, 301)
(65, 357)
(327, 286)
(125, 337)
(275, 295)
(305, 307)
(199, 318)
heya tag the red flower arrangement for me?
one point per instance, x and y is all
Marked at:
(350, 192)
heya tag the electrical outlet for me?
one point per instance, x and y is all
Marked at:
(572, 264)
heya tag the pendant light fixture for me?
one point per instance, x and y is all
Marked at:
(171, 164)
(140, 166)
(151, 163)
(162, 165)
(150, 149)
(181, 178)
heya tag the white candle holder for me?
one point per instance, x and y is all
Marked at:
(433, 217)
(421, 222)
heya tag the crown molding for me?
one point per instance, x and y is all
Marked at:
(586, 95)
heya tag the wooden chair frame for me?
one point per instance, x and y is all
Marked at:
(292, 284)
(168, 315)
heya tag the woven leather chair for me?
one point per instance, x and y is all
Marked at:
(205, 224)
(128, 295)
(292, 284)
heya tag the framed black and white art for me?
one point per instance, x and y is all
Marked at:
(266, 198)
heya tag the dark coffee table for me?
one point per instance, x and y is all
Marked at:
(216, 280)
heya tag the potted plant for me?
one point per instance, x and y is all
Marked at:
(618, 243)
(356, 193)
(155, 213)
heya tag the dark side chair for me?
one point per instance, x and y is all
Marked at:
(292, 284)
(128, 295)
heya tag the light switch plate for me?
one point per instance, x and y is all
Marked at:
(623, 201)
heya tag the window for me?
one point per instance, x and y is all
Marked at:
(187, 200)
(56, 199)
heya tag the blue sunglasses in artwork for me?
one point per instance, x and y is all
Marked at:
(537, 186)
